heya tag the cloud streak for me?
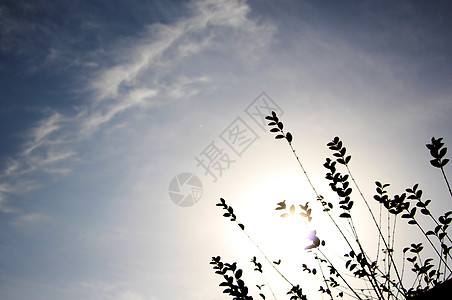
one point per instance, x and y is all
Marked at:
(155, 69)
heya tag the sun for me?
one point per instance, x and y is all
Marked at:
(276, 211)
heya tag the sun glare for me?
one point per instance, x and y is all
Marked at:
(282, 234)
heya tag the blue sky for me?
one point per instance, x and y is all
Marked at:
(103, 103)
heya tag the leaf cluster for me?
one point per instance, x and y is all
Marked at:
(235, 286)
(341, 186)
(229, 213)
(306, 211)
(277, 127)
(437, 152)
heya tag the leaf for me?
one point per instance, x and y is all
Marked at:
(425, 211)
(412, 222)
(282, 205)
(285, 215)
(274, 114)
(348, 263)
(274, 130)
(412, 259)
(289, 137)
(238, 273)
(435, 163)
(292, 209)
(241, 226)
(345, 215)
(279, 136)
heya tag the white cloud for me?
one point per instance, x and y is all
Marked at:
(31, 219)
(42, 131)
(155, 68)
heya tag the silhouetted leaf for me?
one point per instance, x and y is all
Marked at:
(241, 226)
(345, 215)
(435, 163)
(238, 274)
(282, 205)
(412, 259)
(425, 211)
(274, 114)
(289, 137)
(279, 136)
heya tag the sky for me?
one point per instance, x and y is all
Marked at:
(108, 107)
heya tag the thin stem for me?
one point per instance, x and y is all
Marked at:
(317, 195)
(268, 284)
(339, 274)
(447, 182)
(431, 243)
(266, 258)
(324, 280)
(379, 240)
(302, 168)
(376, 224)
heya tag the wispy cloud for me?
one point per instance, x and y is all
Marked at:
(157, 67)
(31, 219)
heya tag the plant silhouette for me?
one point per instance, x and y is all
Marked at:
(384, 278)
